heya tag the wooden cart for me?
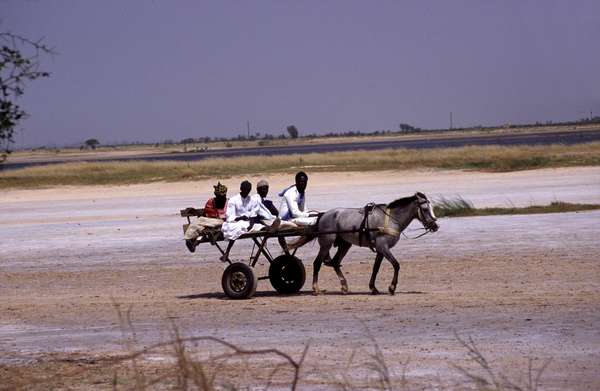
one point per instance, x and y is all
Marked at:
(286, 271)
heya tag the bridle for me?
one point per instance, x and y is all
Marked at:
(386, 230)
(427, 224)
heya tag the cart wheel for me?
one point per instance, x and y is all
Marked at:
(238, 281)
(287, 274)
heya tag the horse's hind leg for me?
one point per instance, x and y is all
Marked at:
(323, 254)
(337, 261)
(341, 252)
(388, 255)
(338, 271)
(376, 265)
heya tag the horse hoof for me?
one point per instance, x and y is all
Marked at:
(316, 292)
(345, 290)
(374, 291)
(392, 290)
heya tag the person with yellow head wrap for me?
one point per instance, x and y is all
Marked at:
(216, 207)
(215, 212)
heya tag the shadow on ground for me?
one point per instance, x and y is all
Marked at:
(222, 296)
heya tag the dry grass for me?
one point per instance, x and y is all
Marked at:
(489, 158)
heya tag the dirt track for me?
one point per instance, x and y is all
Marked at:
(520, 286)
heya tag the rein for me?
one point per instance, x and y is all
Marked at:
(417, 237)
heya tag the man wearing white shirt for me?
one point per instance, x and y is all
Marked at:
(244, 212)
(293, 206)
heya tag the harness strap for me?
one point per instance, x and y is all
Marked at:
(386, 230)
(364, 230)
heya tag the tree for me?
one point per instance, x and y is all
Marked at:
(19, 63)
(406, 127)
(188, 141)
(293, 132)
(409, 128)
(92, 143)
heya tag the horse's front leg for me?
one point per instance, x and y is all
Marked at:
(390, 257)
(376, 265)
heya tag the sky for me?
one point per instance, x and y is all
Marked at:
(151, 71)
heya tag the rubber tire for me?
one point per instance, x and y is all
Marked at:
(238, 281)
(287, 274)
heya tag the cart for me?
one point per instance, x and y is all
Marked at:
(286, 271)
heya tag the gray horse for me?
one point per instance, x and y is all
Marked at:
(380, 231)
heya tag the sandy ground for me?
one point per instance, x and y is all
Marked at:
(520, 286)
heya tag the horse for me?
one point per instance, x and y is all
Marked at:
(377, 226)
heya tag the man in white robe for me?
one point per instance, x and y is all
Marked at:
(293, 205)
(246, 213)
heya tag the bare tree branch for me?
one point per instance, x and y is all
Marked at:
(19, 64)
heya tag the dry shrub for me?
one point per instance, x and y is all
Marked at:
(484, 377)
(184, 366)
(459, 207)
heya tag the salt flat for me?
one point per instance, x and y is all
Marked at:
(521, 286)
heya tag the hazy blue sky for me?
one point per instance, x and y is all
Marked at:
(156, 70)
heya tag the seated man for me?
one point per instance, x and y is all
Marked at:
(262, 189)
(212, 216)
(293, 205)
(216, 207)
(245, 211)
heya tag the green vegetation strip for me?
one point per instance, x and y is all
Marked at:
(488, 158)
(460, 208)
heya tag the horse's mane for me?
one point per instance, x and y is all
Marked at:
(400, 202)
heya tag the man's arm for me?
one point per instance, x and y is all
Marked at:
(209, 209)
(222, 213)
(231, 211)
(258, 208)
(264, 212)
(292, 203)
(269, 204)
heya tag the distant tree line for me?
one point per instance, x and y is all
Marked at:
(403, 128)
(191, 143)
(267, 137)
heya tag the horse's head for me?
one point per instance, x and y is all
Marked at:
(425, 213)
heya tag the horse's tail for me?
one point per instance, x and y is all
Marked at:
(309, 235)
(301, 241)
